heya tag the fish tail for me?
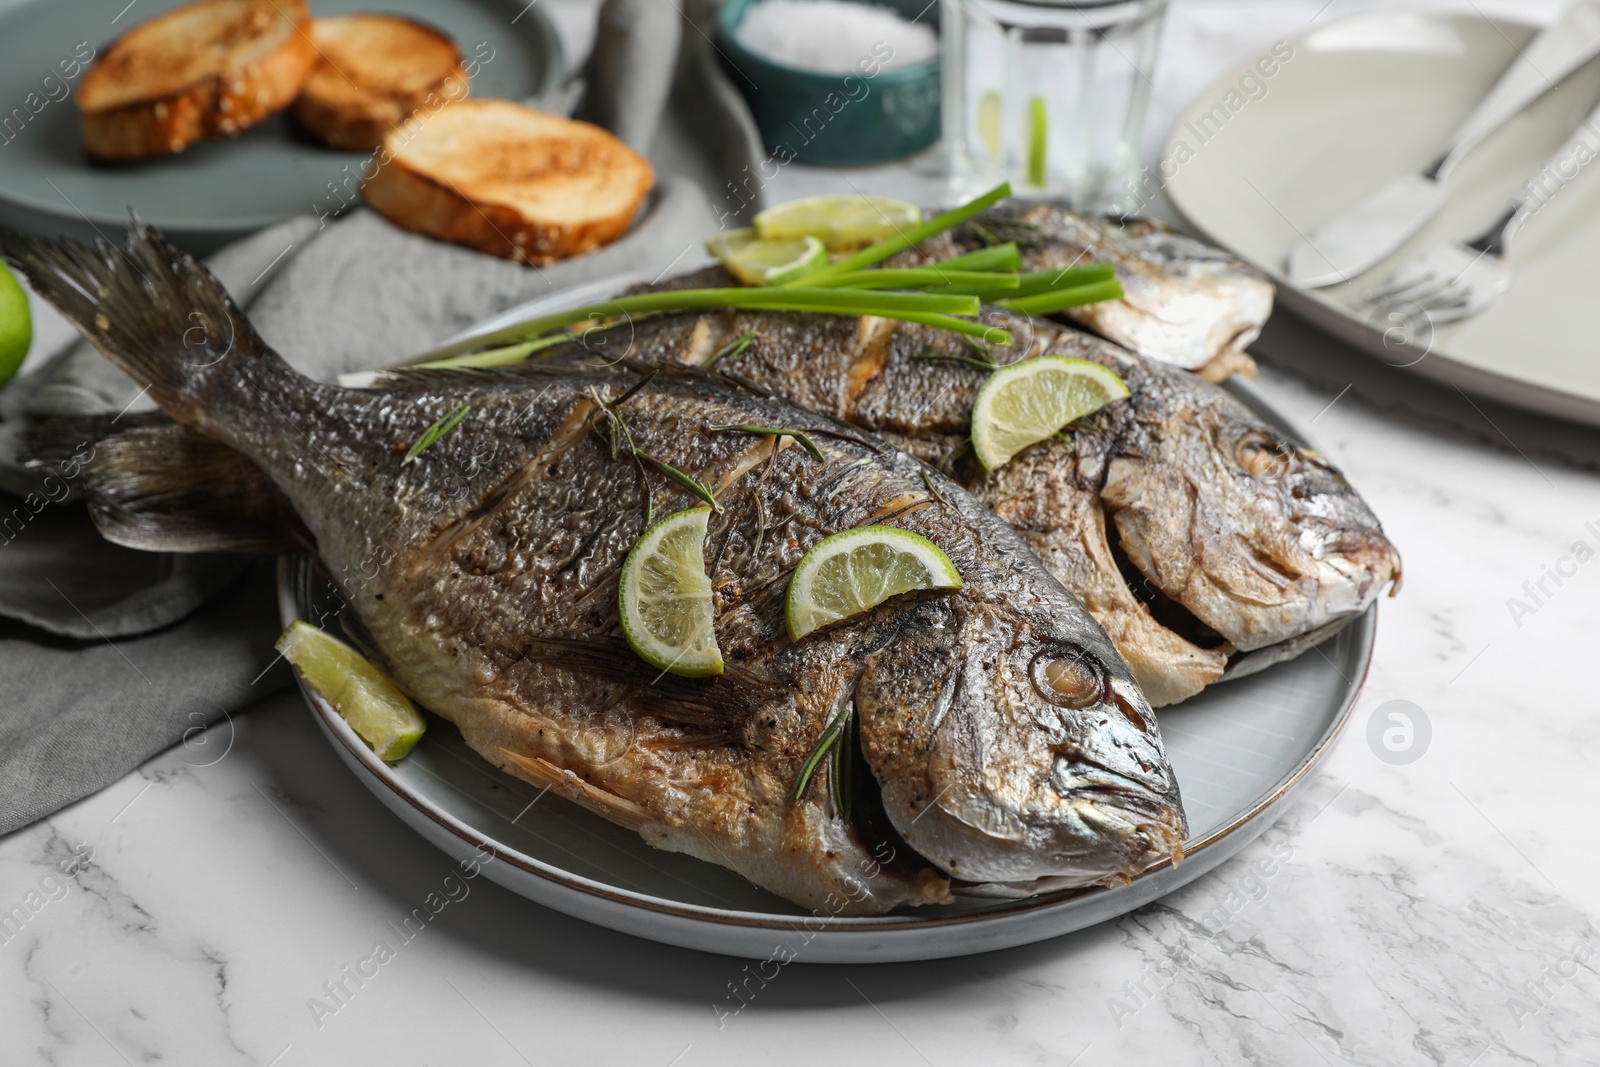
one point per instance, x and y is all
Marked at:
(159, 316)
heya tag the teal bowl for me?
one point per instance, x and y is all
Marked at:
(867, 116)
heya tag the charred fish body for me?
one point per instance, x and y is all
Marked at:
(1007, 738)
(1185, 302)
(1205, 541)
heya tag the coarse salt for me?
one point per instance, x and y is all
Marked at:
(833, 36)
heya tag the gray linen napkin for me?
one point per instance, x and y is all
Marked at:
(114, 655)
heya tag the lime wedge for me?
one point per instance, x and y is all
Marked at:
(665, 597)
(364, 696)
(840, 222)
(856, 570)
(16, 325)
(1028, 401)
(766, 261)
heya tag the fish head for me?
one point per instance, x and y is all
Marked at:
(1259, 537)
(1011, 743)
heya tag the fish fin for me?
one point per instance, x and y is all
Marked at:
(547, 775)
(157, 485)
(159, 316)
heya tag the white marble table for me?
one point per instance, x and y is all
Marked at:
(1438, 913)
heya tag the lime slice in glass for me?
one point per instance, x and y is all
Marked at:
(1038, 141)
(989, 120)
(840, 222)
(856, 570)
(1028, 401)
(760, 261)
(16, 325)
(364, 696)
(665, 597)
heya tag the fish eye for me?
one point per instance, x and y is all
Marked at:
(1264, 457)
(1067, 679)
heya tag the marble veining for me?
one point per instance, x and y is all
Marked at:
(1439, 913)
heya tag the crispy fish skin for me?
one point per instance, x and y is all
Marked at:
(1007, 737)
(1185, 302)
(1238, 537)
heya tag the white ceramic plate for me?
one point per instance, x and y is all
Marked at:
(1367, 99)
(1241, 751)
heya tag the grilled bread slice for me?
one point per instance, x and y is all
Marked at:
(209, 68)
(509, 180)
(373, 71)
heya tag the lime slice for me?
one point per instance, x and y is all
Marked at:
(16, 325)
(856, 570)
(665, 597)
(1028, 401)
(762, 261)
(840, 222)
(364, 696)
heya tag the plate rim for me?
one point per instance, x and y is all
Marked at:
(1437, 364)
(382, 780)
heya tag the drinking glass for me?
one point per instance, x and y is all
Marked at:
(1050, 95)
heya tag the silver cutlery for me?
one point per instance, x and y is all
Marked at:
(1359, 236)
(1457, 279)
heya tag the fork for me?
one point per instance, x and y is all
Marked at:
(1458, 279)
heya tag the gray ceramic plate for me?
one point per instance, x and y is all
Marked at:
(1369, 98)
(1241, 750)
(220, 190)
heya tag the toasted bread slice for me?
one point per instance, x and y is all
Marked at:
(509, 180)
(372, 72)
(214, 67)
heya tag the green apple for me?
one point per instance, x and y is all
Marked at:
(16, 325)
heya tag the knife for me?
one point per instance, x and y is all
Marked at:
(1362, 234)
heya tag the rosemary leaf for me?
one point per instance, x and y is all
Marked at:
(830, 734)
(968, 360)
(933, 490)
(777, 431)
(698, 488)
(431, 437)
(733, 349)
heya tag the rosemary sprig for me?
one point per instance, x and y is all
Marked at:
(776, 431)
(889, 246)
(431, 436)
(688, 481)
(733, 349)
(839, 784)
(830, 736)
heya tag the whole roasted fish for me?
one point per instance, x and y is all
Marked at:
(1185, 302)
(1235, 547)
(1006, 738)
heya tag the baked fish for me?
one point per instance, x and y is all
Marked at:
(1185, 302)
(1235, 547)
(1006, 738)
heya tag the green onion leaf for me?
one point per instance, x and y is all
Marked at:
(497, 357)
(890, 246)
(996, 257)
(1061, 299)
(443, 426)
(916, 277)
